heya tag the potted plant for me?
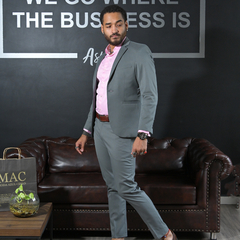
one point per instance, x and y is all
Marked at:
(24, 203)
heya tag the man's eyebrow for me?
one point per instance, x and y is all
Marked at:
(116, 22)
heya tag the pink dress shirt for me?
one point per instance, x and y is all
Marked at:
(103, 75)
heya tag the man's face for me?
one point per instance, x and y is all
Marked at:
(114, 28)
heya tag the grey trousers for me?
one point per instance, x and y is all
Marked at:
(118, 171)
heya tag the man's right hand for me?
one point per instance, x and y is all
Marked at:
(80, 144)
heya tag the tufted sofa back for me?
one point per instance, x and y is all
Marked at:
(58, 155)
(163, 155)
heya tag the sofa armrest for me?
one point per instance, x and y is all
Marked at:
(208, 165)
(201, 153)
(34, 147)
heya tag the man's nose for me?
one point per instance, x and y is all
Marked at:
(114, 29)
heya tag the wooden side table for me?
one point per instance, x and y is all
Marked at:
(34, 226)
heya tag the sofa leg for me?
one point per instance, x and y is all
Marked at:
(213, 236)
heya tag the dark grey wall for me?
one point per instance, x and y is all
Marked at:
(198, 97)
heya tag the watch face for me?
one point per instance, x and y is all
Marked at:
(142, 135)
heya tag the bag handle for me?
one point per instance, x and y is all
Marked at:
(6, 149)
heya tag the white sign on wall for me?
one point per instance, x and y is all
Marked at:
(163, 24)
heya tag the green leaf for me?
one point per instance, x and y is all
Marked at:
(31, 195)
(21, 187)
(27, 197)
(21, 195)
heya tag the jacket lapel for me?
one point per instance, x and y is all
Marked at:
(123, 49)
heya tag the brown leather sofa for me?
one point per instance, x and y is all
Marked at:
(181, 176)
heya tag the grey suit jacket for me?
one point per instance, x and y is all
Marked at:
(131, 92)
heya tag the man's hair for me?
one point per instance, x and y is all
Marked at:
(113, 9)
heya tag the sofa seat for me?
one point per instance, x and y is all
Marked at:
(168, 188)
(90, 188)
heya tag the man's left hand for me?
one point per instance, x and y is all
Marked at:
(139, 147)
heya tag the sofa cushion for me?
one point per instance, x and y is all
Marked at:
(168, 188)
(90, 188)
(164, 155)
(86, 188)
(63, 158)
(161, 160)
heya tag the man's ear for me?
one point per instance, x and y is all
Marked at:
(102, 29)
(126, 24)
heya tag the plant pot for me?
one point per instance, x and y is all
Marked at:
(22, 207)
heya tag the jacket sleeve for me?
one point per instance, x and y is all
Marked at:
(89, 124)
(147, 80)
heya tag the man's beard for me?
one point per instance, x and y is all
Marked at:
(116, 42)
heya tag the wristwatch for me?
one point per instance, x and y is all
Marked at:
(142, 135)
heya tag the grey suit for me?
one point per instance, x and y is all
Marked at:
(132, 101)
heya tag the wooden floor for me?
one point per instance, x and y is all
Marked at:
(230, 223)
(230, 230)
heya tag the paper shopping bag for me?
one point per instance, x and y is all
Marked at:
(13, 173)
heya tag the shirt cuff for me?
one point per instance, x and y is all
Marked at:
(149, 135)
(86, 132)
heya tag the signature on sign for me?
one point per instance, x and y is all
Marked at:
(92, 56)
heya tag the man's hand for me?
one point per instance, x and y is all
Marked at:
(139, 147)
(80, 144)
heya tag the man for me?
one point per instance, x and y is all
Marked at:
(121, 116)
